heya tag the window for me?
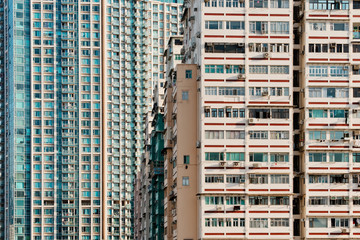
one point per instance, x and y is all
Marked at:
(259, 113)
(318, 200)
(258, 178)
(238, 178)
(279, 3)
(185, 181)
(225, 48)
(258, 134)
(279, 157)
(235, 156)
(317, 113)
(318, 71)
(339, 222)
(213, 156)
(235, 134)
(258, 69)
(213, 25)
(279, 178)
(186, 159)
(259, 27)
(279, 69)
(339, 26)
(329, 5)
(317, 26)
(279, 47)
(339, 178)
(279, 27)
(214, 134)
(317, 135)
(334, 113)
(279, 135)
(258, 47)
(258, 3)
(339, 71)
(317, 157)
(258, 157)
(231, 91)
(356, 157)
(279, 200)
(338, 157)
(258, 223)
(188, 74)
(235, 200)
(318, 179)
(214, 178)
(214, 68)
(339, 200)
(211, 91)
(214, 200)
(318, 222)
(258, 200)
(279, 222)
(185, 95)
(235, 25)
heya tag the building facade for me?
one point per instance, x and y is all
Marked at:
(78, 84)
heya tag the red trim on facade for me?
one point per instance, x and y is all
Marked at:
(214, 124)
(217, 146)
(257, 59)
(258, 37)
(258, 102)
(258, 146)
(318, 59)
(339, 190)
(258, 124)
(279, 168)
(258, 211)
(214, 211)
(235, 124)
(214, 80)
(339, 124)
(214, 58)
(258, 15)
(318, 168)
(258, 190)
(235, 14)
(318, 15)
(339, 81)
(214, 36)
(213, 14)
(318, 190)
(279, 190)
(279, 124)
(258, 80)
(235, 211)
(236, 146)
(314, 37)
(279, 80)
(339, 103)
(280, 37)
(318, 211)
(318, 103)
(318, 234)
(339, 233)
(258, 233)
(318, 81)
(214, 167)
(235, 168)
(338, 15)
(234, 234)
(224, 102)
(234, 36)
(234, 80)
(279, 211)
(317, 124)
(235, 190)
(234, 58)
(217, 234)
(279, 103)
(279, 146)
(279, 15)
(339, 212)
(213, 190)
(279, 59)
(279, 233)
(339, 59)
(318, 146)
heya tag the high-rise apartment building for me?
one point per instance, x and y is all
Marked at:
(78, 84)
(277, 121)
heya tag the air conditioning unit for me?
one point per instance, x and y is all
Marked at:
(235, 163)
(345, 230)
(206, 1)
(322, 140)
(237, 208)
(198, 34)
(265, 93)
(207, 107)
(198, 144)
(227, 66)
(256, 165)
(219, 208)
(301, 122)
(241, 44)
(222, 163)
(241, 76)
(266, 55)
(354, 110)
(251, 120)
(356, 67)
(332, 45)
